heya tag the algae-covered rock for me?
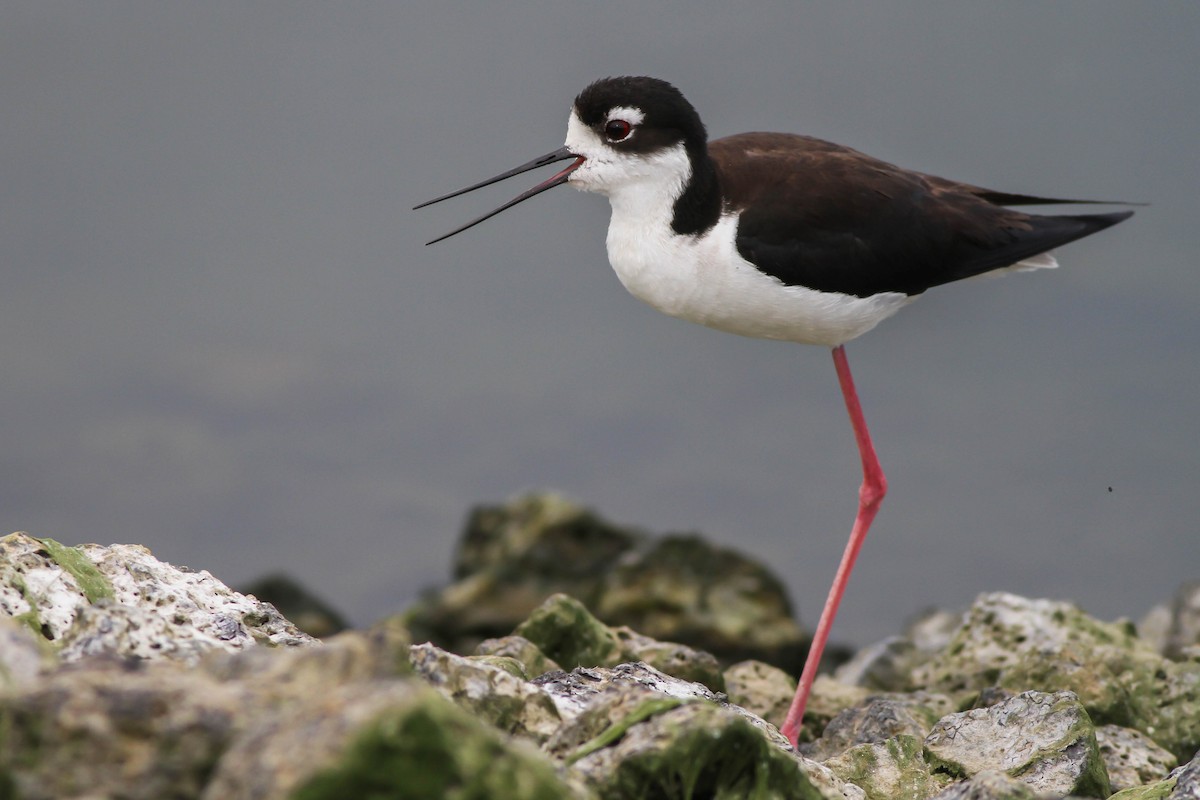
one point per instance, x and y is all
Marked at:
(992, 785)
(1045, 740)
(1018, 644)
(1131, 757)
(879, 719)
(533, 661)
(509, 559)
(672, 658)
(675, 588)
(691, 751)
(564, 630)
(298, 603)
(681, 588)
(489, 691)
(120, 600)
(393, 739)
(761, 689)
(887, 769)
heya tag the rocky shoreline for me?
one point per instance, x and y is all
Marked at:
(570, 658)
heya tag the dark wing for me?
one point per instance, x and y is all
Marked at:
(824, 216)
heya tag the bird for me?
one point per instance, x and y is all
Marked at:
(787, 237)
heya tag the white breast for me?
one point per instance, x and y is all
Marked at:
(704, 279)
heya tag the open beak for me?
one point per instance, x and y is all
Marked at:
(561, 154)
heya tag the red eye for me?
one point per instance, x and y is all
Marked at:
(617, 129)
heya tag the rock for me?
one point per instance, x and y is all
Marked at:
(276, 677)
(307, 611)
(564, 630)
(680, 588)
(761, 689)
(1187, 781)
(533, 661)
(675, 659)
(674, 588)
(1018, 644)
(124, 677)
(117, 730)
(573, 691)
(1183, 631)
(489, 692)
(1131, 758)
(120, 600)
(394, 739)
(512, 557)
(879, 719)
(694, 750)
(1045, 740)
(23, 656)
(890, 768)
(992, 785)
(887, 665)
(632, 731)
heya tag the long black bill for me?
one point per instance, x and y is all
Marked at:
(561, 154)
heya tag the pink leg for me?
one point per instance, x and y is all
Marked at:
(870, 495)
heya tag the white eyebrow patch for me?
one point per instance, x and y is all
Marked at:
(633, 116)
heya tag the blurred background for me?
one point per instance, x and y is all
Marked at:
(222, 337)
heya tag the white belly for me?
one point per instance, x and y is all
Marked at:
(705, 280)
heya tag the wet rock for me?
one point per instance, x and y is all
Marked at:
(890, 768)
(674, 588)
(1045, 740)
(1018, 644)
(1131, 758)
(307, 612)
(120, 600)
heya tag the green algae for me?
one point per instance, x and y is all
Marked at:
(432, 751)
(702, 751)
(91, 581)
(566, 632)
(893, 768)
(615, 731)
(1151, 791)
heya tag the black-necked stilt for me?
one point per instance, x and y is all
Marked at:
(779, 236)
